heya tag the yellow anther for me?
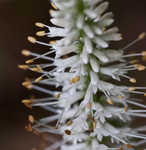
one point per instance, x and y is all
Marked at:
(58, 95)
(25, 52)
(27, 84)
(143, 53)
(132, 89)
(68, 132)
(144, 94)
(37, 69)
(75, 79)
(110, 101)
(54, 6)
(132, 80)
(31, 39)
(142, 36)
(24, 67)
(52, 42)
(51, 11)
(38, 79)
(26, 101)
(69, 123)
(29, 61)
(141, 67)
(41, 33)
(31, 119)
(120, 97)
(134, 61)
(39, 24)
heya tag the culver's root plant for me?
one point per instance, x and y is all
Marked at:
(83, 84)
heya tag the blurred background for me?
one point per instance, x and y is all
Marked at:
(17, 18)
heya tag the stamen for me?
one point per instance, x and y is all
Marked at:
(41, 33)
(132, 89)
(75, 79)
(134, 61)
(132, 80)
(110, 101)
(38, 79)
(126, 108)
(58, 95)
(140, 37)
(53, 5)
(31, 39)
(29, 61)
(27, 84)
(31, 119)
(129, 146)
(29, 128)
(25, 52)
(69, 123)
(38, 24)
(37, 69)
(24, 67)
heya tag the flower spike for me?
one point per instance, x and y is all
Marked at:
(90, 111)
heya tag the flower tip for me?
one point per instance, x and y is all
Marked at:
(142, 36)
(31, 39)
(25, 52)
(39, 24)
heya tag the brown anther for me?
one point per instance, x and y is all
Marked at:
(25, 52)
(27, 103)
(38, 79)
(94, 124)
(132, 89)
(29, 128)
(144, 94)
(69, 123)
(129, 146)
(31, 119)
(41, 33)
(38, 24)
(24, 67)
(31, 39)
(125, 108)
(52, 42)
(68, 132)
(29, 61)
(36, 132)
(134, 61)
(121, 148)
(142, 36)
(89, 105)
(110, 101)
(58, 95)
(132, 80)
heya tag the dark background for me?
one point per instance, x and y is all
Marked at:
(17, 18)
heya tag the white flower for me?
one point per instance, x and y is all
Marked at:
(81, 66)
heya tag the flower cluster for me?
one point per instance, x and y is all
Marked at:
(91, 109)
